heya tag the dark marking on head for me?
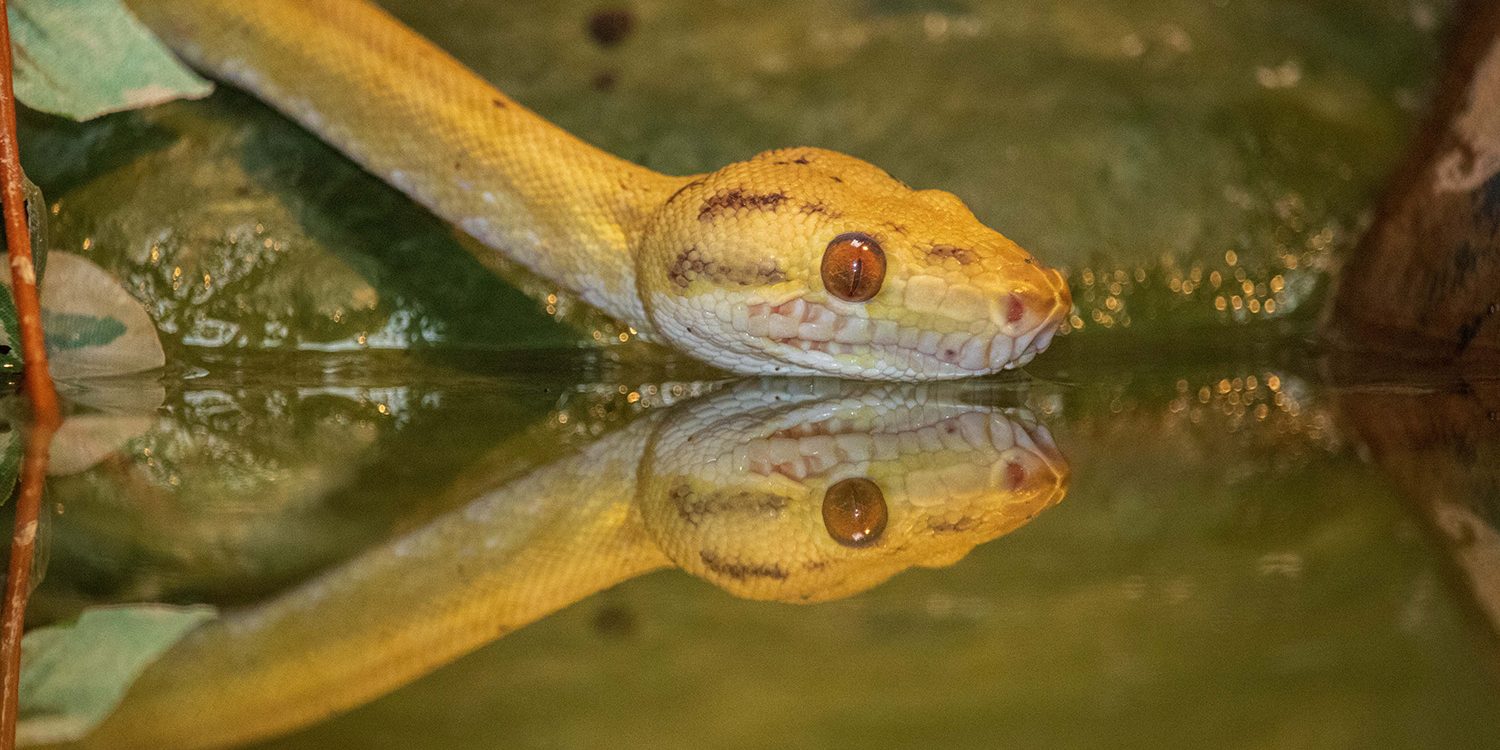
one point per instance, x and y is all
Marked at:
(693, 507)
(736, 199)
(949, 527)
(836, 178)
(963, 255)
(740, 571)
(801, 160)
(693, 264)
(499, 103)
(897, 228)
(458, 165)
(813, 566)
(810, 207)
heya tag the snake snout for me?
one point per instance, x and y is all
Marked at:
(1032, 310)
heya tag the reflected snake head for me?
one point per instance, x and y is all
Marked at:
(809, 492)
(809, 262)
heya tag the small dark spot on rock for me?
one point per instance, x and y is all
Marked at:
(1470, 328)
(4, 349)
(614, 621)
(458, 165)
(605, 80)
(610, 26)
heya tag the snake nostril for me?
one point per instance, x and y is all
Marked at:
(1015, 309)
(1024, 309)
(1015, 476)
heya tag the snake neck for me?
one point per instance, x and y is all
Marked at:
(512, 556)
(413, 115)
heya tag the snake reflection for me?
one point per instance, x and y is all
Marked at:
(796, 492)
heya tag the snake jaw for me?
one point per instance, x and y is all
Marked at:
(823, 338)
(742, 498)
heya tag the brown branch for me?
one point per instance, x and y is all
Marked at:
(1424, 281)
(45, 413)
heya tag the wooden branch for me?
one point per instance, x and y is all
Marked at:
(45, 413)
(1424, 283)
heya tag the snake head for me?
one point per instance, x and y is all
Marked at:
(809, 262)
(806, 492)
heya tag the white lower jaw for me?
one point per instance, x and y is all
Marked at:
(812, 329)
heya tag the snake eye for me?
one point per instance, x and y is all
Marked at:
(853, 267)
(854, 512)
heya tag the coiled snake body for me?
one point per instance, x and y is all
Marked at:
(796, 261)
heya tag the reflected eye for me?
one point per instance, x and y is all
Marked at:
(854, 512)
(853, 267)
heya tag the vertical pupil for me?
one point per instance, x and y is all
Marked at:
(853, 267)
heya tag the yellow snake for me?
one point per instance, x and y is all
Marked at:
(797, 261)
(794, 491)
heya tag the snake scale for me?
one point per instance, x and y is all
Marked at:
(796, 261)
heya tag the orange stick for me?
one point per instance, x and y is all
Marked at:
(45, 413)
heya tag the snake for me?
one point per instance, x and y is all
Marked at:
(795, 261)
(773, 489)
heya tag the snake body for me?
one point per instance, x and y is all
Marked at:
(738, 488)
(731, 267)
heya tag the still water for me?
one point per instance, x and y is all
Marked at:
(1181, 527)
(1244, 547)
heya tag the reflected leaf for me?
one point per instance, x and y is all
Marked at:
(84, 440)
(73, 675)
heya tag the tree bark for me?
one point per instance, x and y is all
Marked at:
(1424, 283)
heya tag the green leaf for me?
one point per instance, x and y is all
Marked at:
(94, 327)
(73, 675)
(86, 58)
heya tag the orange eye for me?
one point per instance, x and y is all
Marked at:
(854, 512)
(853, 267)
